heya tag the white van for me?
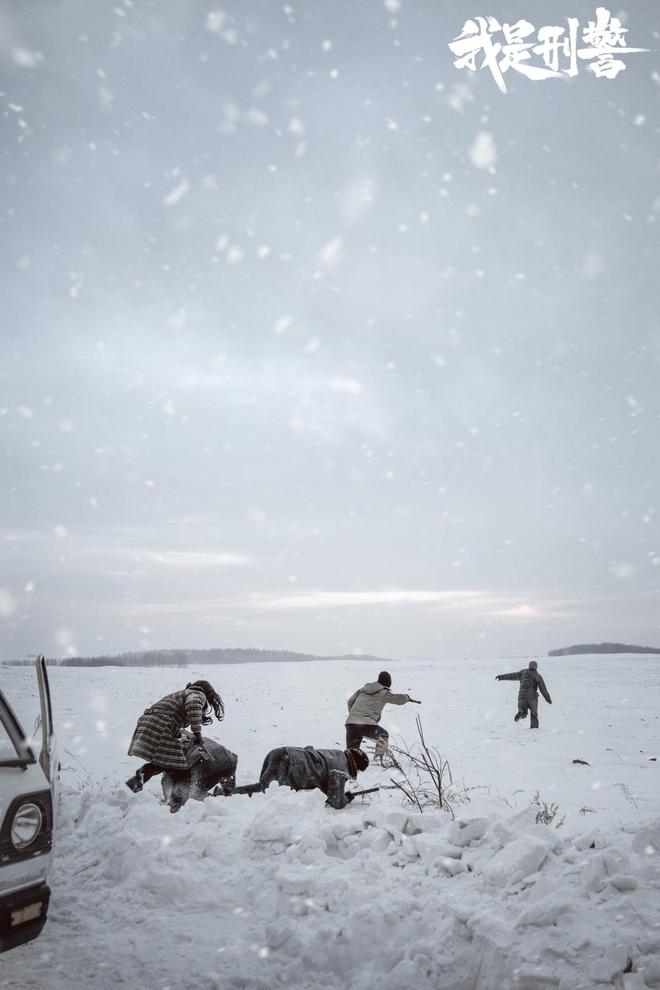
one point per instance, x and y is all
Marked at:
(27, 797)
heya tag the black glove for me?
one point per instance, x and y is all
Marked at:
(549, 701)
(498, 677)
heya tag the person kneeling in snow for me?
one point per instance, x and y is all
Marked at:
(531, 683)
(157, 734)
(307, 769)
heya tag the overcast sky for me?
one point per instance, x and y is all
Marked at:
(312, 340)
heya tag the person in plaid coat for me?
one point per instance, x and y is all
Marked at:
(156, 737)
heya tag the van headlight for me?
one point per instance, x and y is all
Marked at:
(26, 825)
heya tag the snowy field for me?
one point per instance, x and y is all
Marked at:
(278, 891)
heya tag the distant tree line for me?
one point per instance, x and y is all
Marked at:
(150, 658)
(91, 662)
(568, 651)
(183, 658)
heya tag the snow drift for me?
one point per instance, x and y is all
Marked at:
(277, 890)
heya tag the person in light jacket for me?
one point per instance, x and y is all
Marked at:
(531, 683)
(157, 734)
(364, 710)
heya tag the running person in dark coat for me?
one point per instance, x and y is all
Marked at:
(156, 737)
(531, 683)
(307, 769)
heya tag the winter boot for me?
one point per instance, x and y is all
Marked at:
(518, 716)
(381, 748)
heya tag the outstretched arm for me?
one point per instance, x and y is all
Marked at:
(544, 691)
(514, 676)
(397, 699)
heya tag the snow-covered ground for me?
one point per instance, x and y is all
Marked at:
(277, 890)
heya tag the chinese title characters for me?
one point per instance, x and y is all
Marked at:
(555, 52)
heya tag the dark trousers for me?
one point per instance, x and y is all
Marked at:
(275, 767)
(150, 770)
(529, 700)
(356, 733)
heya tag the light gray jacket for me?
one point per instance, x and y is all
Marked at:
(366, 706)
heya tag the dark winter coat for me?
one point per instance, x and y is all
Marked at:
(310, 768)
(156, 736)
(366, 706)
(531, 683)
(221, 765)
(204, 775)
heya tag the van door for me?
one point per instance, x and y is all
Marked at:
(47, 757)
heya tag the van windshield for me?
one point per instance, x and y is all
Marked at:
(14, 748)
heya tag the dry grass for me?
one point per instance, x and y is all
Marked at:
(425, 777)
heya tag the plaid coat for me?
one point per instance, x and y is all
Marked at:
(156, 736)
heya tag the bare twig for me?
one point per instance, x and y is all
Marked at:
(626, 791)
(74, 757)
(427, 778)
(409, 792)
(389, 761)
(547, 812)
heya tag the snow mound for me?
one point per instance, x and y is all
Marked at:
(279, 890)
